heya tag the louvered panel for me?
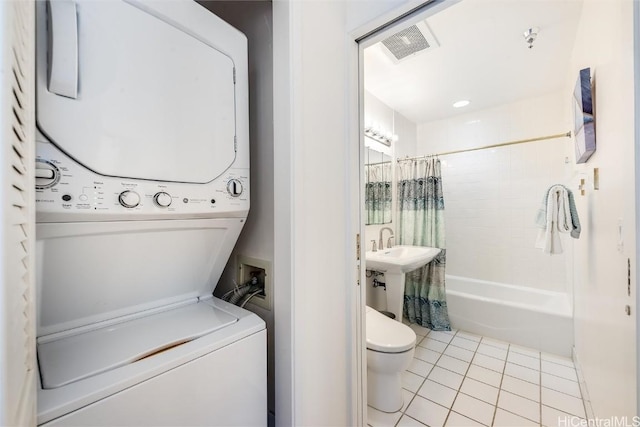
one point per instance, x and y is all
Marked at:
(18, 94)
(17, 198)
(17, 127)
(18, 147)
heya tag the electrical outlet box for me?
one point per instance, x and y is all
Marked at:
(249, 268)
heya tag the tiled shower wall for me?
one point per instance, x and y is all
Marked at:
(492, 196)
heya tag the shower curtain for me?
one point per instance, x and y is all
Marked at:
(421, 223)
(378, 193)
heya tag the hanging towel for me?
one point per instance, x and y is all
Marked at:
(557, 215)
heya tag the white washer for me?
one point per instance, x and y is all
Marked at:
(142, 179)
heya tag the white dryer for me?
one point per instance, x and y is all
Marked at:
(142, 189)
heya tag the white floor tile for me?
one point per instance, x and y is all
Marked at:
(479, 390)
(411, 381)
(434, 345)
(456, 365)
(427, 412)
(445, 337)
(444, 377)
(507, 419)
(407, 421)
(523, 373)
(437, 393)
(459, 353)
(469, 336)
(419, 330)
(479, 401)
(519, 405)
(559, 370)
(407, 396)
(560, 384)
(427, 355)
(473, 408)
(522, 360)
(563, 402)
(531, 352)
(495, 343)
(377, 418)
(553, 418)
(560, 360)
(457, 420)
(488, 362)
(484, 375)
(420, 367)
(488, 350)
(464, 343)
(521, 388)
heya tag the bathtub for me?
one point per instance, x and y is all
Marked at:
(525, 316)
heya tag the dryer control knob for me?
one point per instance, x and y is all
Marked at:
(162, 199)
(129, 199)
(234, 187)
(47, 175)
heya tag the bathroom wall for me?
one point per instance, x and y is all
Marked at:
(492, 196)
(605, 336)
(316, 125)
(380, 114)
(383, 116)
(254, 19)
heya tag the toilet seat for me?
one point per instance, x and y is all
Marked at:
(386, 335)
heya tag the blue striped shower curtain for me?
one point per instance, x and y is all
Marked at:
(421, 223)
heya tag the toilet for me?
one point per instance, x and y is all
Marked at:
(390, 348)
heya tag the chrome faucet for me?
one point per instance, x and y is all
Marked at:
(380, 243)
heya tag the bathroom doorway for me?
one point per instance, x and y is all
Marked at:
(488, 91)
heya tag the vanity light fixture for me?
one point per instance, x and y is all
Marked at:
(461, 103)
(375, 133)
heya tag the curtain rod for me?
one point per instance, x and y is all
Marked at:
(378, 163)
(503, 144)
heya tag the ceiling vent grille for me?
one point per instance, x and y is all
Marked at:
(409, 42)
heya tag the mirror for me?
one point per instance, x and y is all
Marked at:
(378, 182)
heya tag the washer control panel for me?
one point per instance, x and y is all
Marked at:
(63, 186)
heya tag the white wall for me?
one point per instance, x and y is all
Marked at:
(317, 208)
(605, 336)
(383, 116)
(492, 196)
(254, 19)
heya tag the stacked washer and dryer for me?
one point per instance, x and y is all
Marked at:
(142, 178)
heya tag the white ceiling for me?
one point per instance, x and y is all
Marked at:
(482, 57)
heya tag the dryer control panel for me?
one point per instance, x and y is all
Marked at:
(65, 187)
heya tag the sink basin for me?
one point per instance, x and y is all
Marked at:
(400, 259)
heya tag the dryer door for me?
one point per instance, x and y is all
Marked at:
(130, 94)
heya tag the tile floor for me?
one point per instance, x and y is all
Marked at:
(460, 379)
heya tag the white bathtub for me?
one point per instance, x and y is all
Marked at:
(525, 316)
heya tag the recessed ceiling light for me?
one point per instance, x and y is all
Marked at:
(461, 103)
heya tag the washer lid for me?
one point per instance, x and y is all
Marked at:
(153, 101)
(76, 357)
(387, 335)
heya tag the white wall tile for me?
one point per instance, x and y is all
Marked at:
(499, 190)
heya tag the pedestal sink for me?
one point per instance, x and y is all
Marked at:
(394, 263)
